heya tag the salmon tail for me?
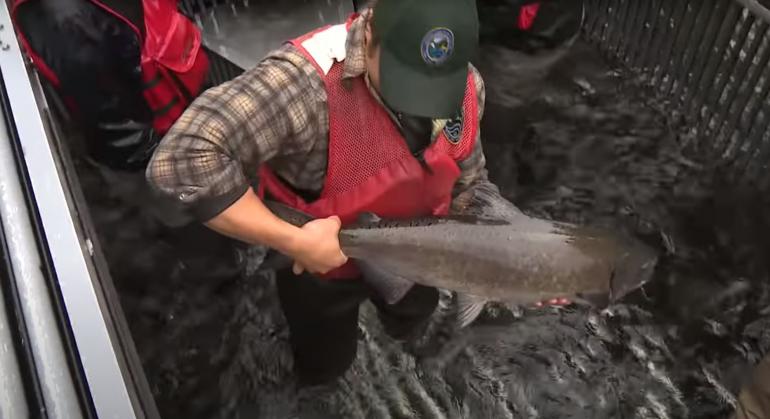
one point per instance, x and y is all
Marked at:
(391, 287)
(633, 270)
(595, 299)
(276, 261)
(469, 308)
(287, 213)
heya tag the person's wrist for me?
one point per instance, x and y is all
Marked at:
(296, 243)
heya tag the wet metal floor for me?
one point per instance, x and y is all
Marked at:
(244, 31)
(584, 144)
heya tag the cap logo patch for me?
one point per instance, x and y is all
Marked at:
(453, 128)
(437, 46)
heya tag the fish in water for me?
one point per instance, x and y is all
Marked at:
(521, 261)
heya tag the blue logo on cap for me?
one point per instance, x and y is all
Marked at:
(437, 46)
(453, 128)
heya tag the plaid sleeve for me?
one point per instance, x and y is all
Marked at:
(474, 192)
(206, 159)
(473, 167)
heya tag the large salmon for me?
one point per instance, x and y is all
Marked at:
(522, 261)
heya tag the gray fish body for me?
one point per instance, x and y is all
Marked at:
(522, 261)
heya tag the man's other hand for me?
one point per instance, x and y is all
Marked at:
(318, 247)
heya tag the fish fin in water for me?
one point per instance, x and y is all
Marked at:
(391, 287)
(287, 213)
(473, 219)
(596, 299)
(276, 261)
(469, 308)
(368, 218)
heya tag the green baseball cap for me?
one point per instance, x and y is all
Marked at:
(426, 46)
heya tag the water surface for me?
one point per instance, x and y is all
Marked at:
(584, 143)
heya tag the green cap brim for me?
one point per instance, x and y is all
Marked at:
(414, 93)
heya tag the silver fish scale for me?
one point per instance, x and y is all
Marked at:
(485, 260)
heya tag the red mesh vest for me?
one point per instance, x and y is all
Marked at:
(370, 167)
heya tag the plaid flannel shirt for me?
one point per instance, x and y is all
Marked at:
(274, 112)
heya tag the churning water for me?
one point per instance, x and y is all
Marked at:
(583, 143)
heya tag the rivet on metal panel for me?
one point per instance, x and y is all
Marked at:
(635, 23)
(621, 33)
(747, 105)
(592, 8)
(736, 80)
(643, 46)
(697, 64)
(713, 59)
(663, 73)
(659, 33)
(758, 121)
(757, 163)
(717, 86)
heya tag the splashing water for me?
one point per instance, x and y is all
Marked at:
(587, 145)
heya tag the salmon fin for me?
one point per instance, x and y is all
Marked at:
(477, 220)
(469, 308)
(391, 287)
(286, 213)
(276, 261)
(368, 218)
(596, 299)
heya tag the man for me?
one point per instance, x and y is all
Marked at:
(380, 114)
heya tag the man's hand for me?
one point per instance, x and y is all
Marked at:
(317, 249)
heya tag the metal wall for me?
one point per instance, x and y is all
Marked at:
(709, 60)
(244, 31)
(221, 69)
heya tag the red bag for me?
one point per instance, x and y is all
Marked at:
(173, 64)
